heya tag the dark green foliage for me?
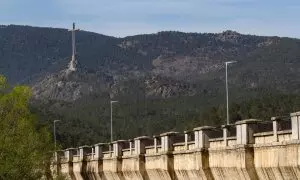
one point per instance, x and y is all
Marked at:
(88, 123)
(25, 147)
(28, 53)
(267, 68)
(258, 108)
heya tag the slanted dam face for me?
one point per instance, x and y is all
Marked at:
(249, 149)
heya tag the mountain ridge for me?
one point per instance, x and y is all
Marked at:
(162, 81)
(170, 54)
(153, 33)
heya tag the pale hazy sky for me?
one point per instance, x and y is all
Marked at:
(129, 17)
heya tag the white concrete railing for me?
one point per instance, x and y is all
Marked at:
(126, 152)
(269, 147)
(179, 146)
(242, 132)
(107, 154)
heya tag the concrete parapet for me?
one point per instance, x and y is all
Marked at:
(140, 144)
(192, 164)
(99, 150)
(156, 143)
(112, 166)
(167, 140)
(245, 130)
(277, 160)
(67, 163)
(69, 153)
(55, 164)
(202, 135)
(228, 131)
(117, 147)
(232, 163)
(94, 163)
(83, 151)
(160, 164)
(131, 146)
(249, 149)
(133, 165)
(275, 127)
(188, 137)
(229, 156)
(80, 163)
(295, 119)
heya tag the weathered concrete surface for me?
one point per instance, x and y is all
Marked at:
(192, 164)
(94, 170)
(112, 168)
(158, 167)
(232, 163)
(79, 170)
(133, 167)
(277, 161)
(67, 170)
(252, 151)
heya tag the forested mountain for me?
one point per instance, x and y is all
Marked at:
(164, 81)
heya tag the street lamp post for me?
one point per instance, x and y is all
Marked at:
(54, 132)
(111, 121)
(227, 105)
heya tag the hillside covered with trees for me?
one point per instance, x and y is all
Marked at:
(164, 81)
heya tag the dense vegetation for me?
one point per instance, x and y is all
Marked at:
(88, 123)
(25, 144)
(164, 81)
(28, 53)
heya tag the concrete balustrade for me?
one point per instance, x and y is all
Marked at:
(133, 164)
(295, 118)
(188, 137)
(131, 146)
(55, 166)
(192, 163)
(248, 149)
(80, 163)
(234, 161)
(112, 165)
(94, 162)
(229, 133)
(275, 128)
(66, 162)
(159, 165)
(277, 157)
(157, 143)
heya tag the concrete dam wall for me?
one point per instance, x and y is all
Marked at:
(249, 149)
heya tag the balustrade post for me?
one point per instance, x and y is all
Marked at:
(275, 127)
(202, 136)
(99, 150)
(187, 138)
(69, 154)
(83, 151)
(295, 118)
(140, 144)
(117, 148)
(131, 148)
(227, 132)
(167, 141)
(245, 130)
(155, 139)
